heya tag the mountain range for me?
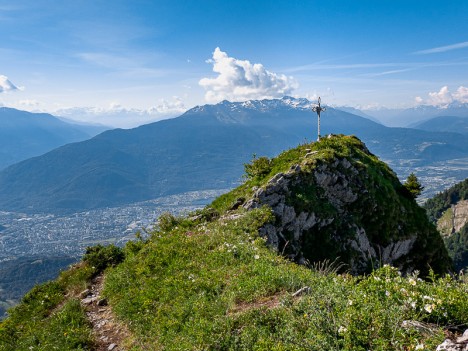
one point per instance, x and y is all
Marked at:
(410, 116)
(202, 149)
(453, 124)
(24, 134)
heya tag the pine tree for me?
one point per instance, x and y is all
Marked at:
(413, 186)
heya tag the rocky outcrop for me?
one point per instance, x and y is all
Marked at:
(453, 218)
(455, 344)
(351, 208)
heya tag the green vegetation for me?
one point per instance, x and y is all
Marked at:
(217, 286)
(19, 275)
(438, 208)
(50, 317)
(413, 185)
(258, 167)
(207, 281)
(100, 257)
(457, 246)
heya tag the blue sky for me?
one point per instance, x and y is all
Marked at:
(145, 60)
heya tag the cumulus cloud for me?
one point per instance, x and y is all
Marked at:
(461, 95)
(444, 97)
(240, 80)
(6, 85)
(116, 115)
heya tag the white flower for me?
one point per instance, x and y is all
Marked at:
(342, 330)
(350, 302)
(419, 347)
(429, 308)
(387, 293)
(412, 281)
(256, 257)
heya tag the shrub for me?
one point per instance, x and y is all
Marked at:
(100, 257)
(258, 167)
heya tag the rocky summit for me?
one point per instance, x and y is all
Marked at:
(337, 201)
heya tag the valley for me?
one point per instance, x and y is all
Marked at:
(68, 235)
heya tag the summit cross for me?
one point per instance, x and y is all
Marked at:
(318, 109)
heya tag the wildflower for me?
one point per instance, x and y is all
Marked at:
(256, 257)
(429, 308)
(350, 302)
(412, 281)
(403, 291)
(377, 278)
(342, 330)
(387, 293)
(419, 347)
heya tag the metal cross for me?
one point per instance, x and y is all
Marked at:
(318, 109)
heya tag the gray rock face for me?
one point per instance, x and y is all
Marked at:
(454, 218)
(460, 344)
(320, 215)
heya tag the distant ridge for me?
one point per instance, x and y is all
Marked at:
(204, 148)
(454, 124)
(25, 134)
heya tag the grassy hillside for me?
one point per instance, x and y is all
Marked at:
(207, 281)
(216, 286)
(19, 275)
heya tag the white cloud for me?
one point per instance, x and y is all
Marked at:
(6, 85)
(443, 48)
(461, 95)
(240, 80)
(116, 115)
(444, 97)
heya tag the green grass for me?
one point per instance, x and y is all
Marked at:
(46, 319)
(217, 286)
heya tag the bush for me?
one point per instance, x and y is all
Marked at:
(100, 257)
(258, 167)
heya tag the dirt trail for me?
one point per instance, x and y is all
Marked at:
(108, 333)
